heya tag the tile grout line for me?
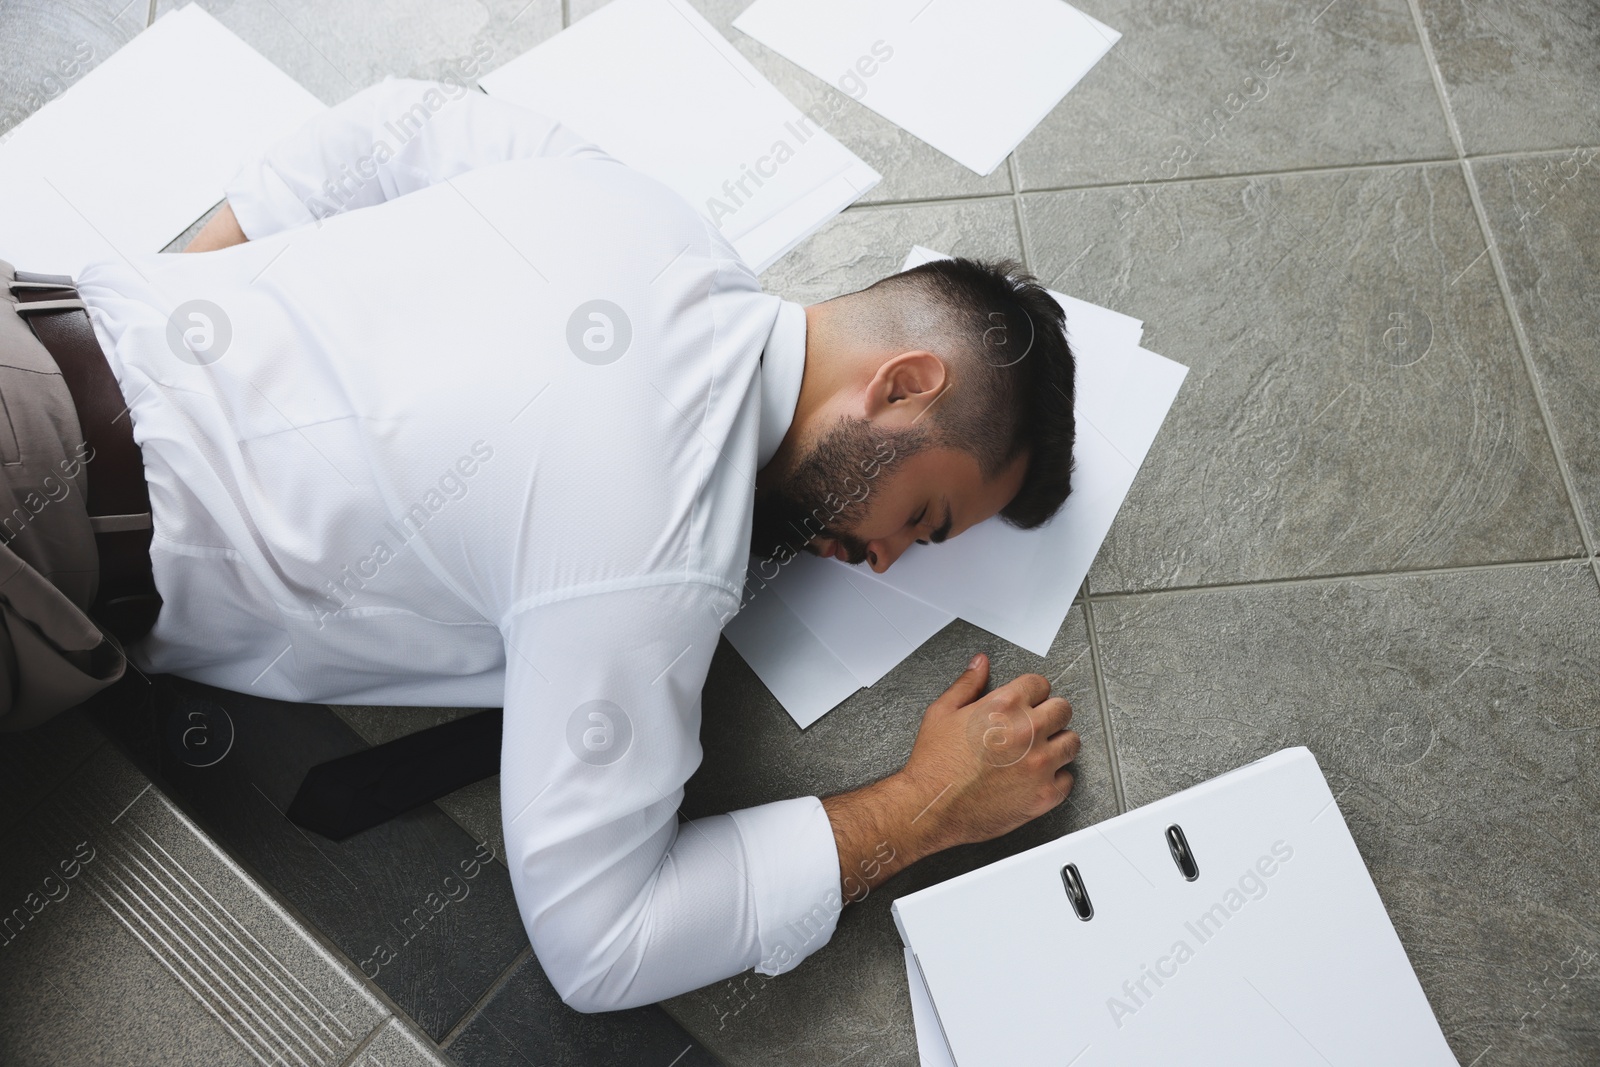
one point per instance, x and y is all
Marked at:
(361, 1046)
(1332, 579)
(1196, 179)
(1016, 211)
(1020, 192)
(1282, 172)
(930, 201)
(1119, 792)
(1493, 248)
(1525, 349)
(1527, 153)
(500, 982)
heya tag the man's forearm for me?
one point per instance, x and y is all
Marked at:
(220, 231)
(879, 830)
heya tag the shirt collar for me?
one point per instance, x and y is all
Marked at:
(783, 365)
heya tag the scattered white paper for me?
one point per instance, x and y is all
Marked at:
(831, 626)
(931, 1048)
(128, 158)
(970, 79)
(806, 677)
(868, 626)
(656, 86)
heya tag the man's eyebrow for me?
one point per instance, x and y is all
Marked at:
(938, 536)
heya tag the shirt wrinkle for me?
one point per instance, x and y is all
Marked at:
(614, 585)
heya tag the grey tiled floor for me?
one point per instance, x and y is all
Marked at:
(131, 938)
(1369, 524)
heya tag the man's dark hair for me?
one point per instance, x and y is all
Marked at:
(1003, 338)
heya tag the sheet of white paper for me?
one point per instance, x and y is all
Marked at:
(870, 628)
(931, 1049)
(655, 85)
(126, 159)
(808, 680)
(970, 79)
(867, 626)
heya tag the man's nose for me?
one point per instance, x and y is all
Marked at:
(882, 552)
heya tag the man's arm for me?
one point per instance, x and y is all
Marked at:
(220, 231)
(387, 140)
(980, 767)
(624, 903)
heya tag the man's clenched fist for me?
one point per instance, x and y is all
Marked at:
(990, 762)
(982, 765)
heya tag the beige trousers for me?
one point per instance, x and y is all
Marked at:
(52, 655)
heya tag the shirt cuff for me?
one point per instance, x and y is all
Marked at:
(263, 203)
(793, 865)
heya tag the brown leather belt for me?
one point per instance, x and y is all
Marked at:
(118, 498)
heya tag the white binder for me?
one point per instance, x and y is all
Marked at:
(1250, 934)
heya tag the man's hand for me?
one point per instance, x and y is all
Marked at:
(220, 231)
(981, 766)
(988, 764)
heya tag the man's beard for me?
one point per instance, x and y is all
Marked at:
(828, 490)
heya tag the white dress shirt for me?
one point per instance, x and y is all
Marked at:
(421, 471)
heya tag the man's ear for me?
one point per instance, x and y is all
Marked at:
(906, 386)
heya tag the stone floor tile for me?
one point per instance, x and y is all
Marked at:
(1356, 401)
(1545, 211)
(848, 1003)
(1457, 719)
(868, 243)
(143, 943)
(1259, 85)
(1519, 76)
(525, 1022)
(47, 45)
(336, 49)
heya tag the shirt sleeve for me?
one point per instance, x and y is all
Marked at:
(624, 903)
(387, 140)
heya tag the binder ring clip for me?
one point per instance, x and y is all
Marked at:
(1076, 892)
(1179, 845)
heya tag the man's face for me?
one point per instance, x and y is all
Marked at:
(865, 494)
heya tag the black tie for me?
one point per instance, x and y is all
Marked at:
(356, 792)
